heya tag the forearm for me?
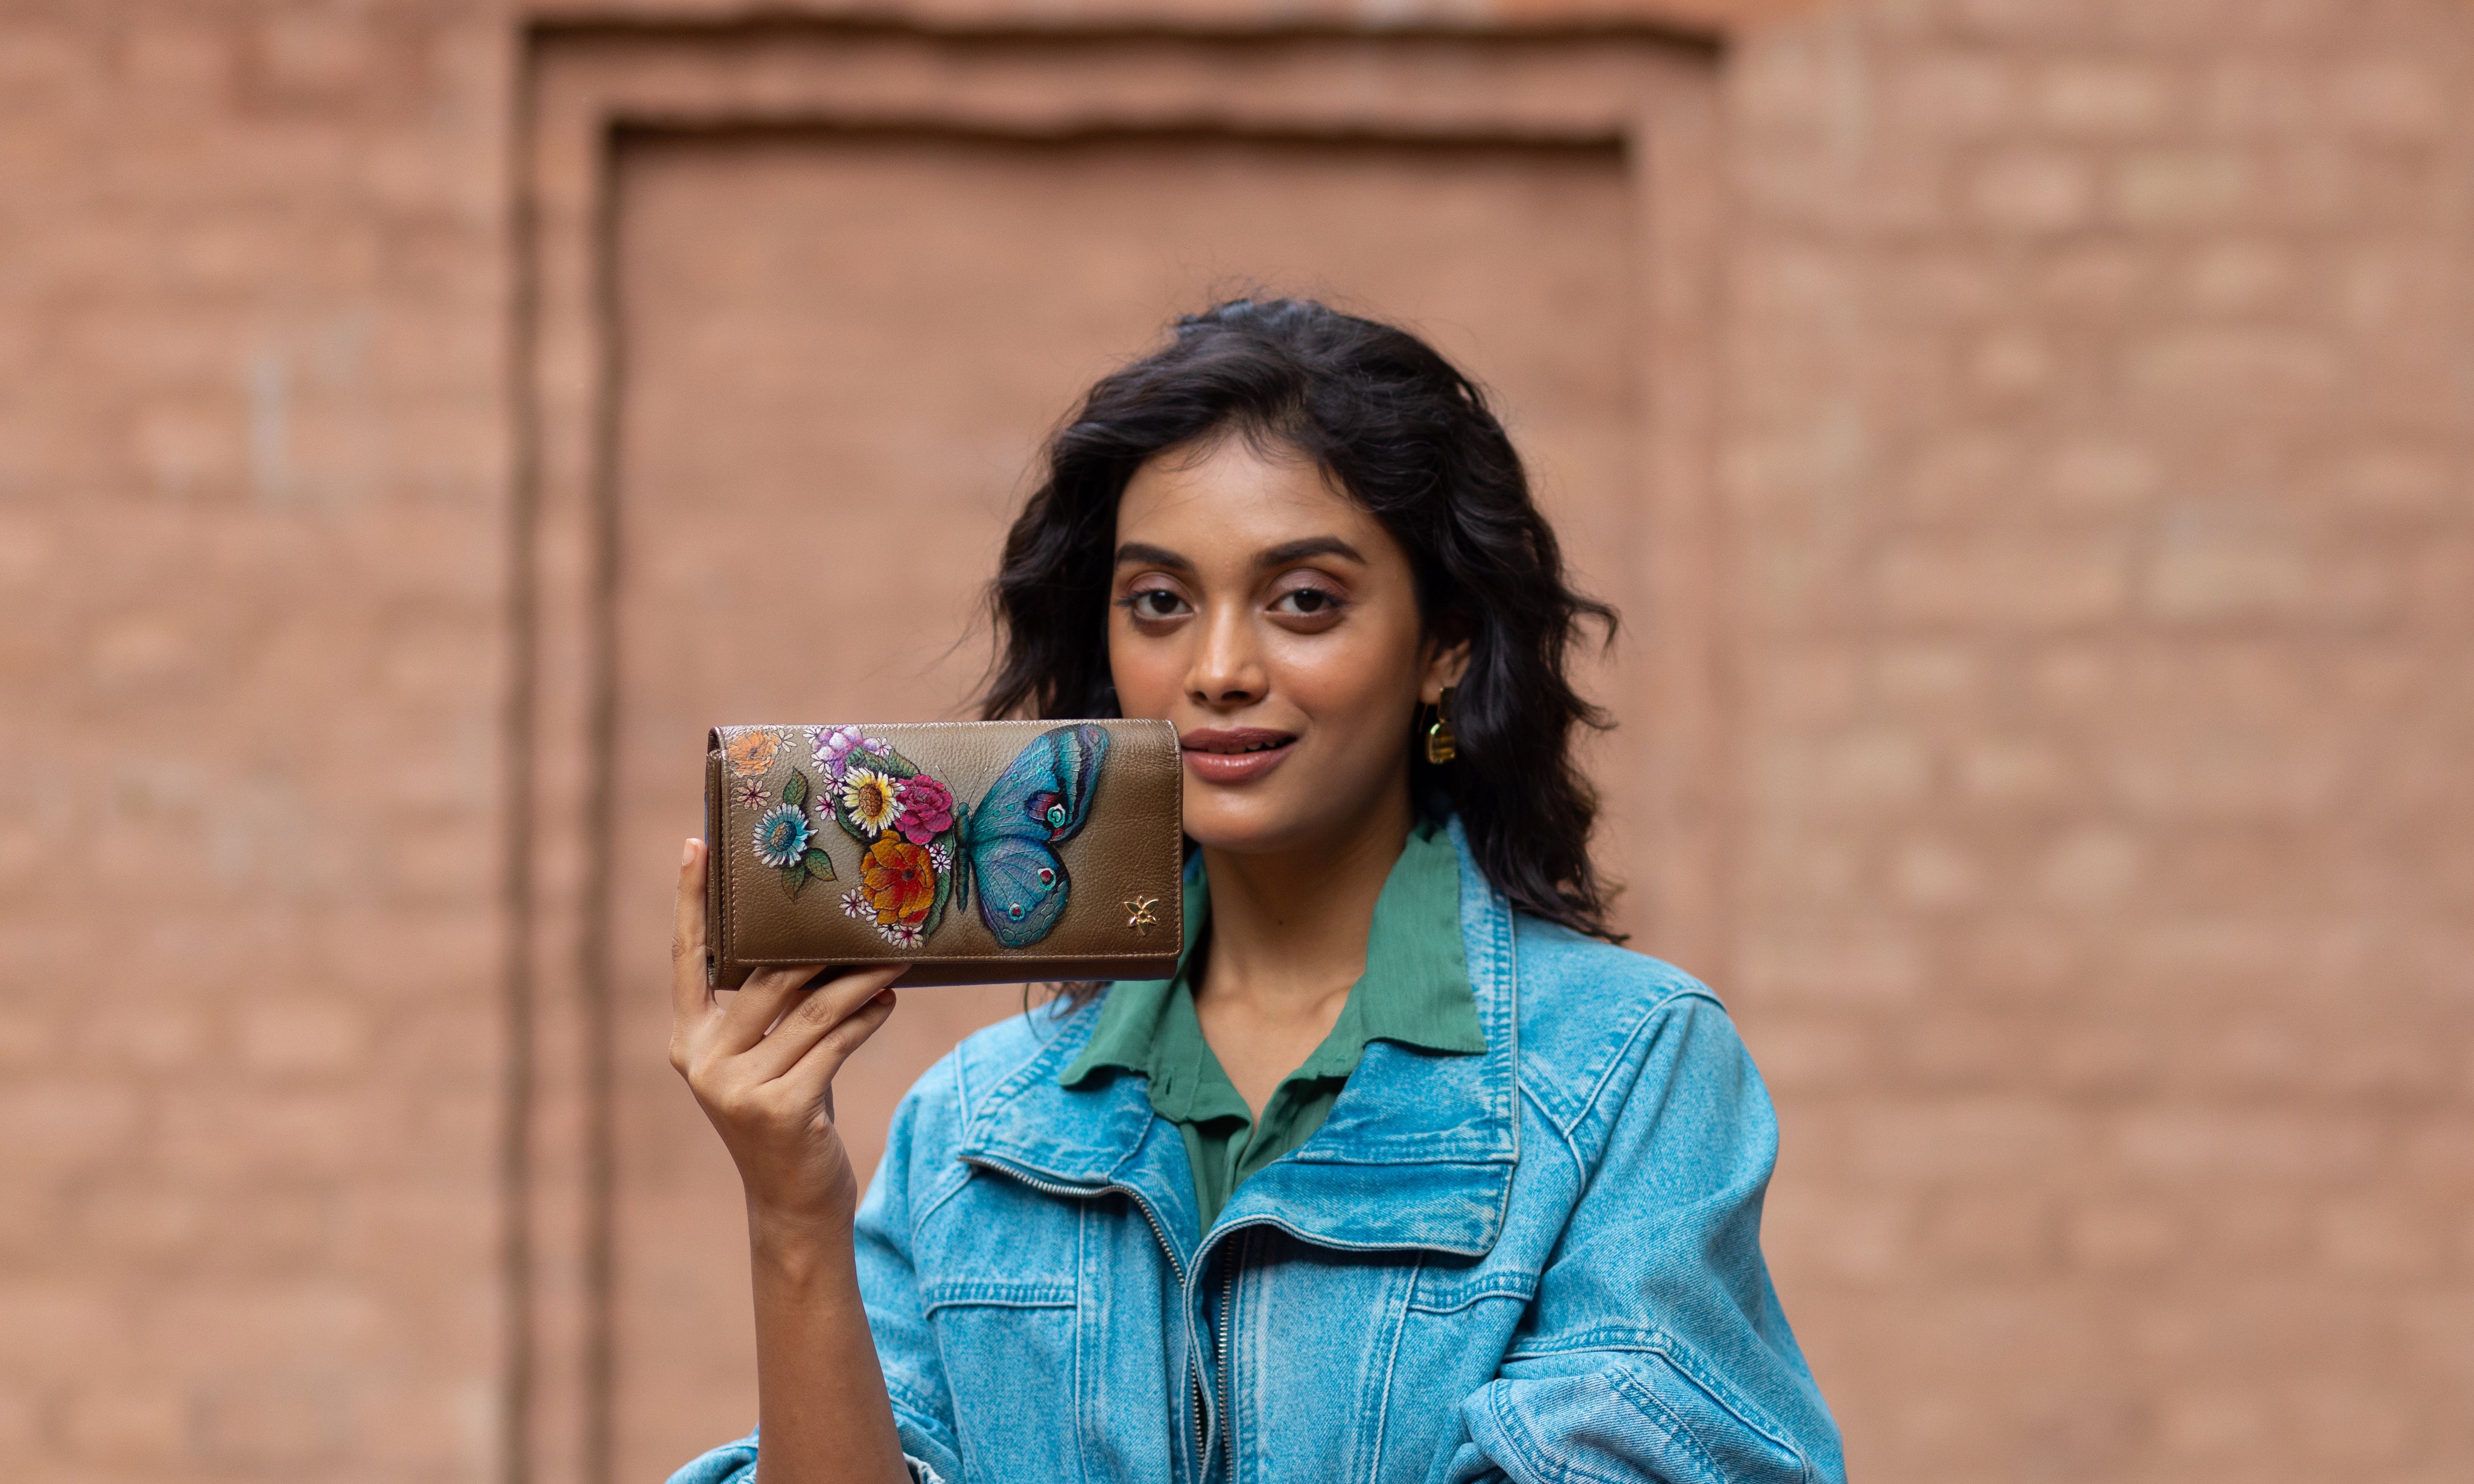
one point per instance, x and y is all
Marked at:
(820, 1395)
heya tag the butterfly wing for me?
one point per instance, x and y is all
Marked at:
(1045, 793)
(1022, 887)
(1039, 802)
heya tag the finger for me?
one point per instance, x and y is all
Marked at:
(691, 993)
(811, 1019)
(757, 1004)
(810, 1080)
(770, 994)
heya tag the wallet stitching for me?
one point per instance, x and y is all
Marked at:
(729, 870)
(1025, 956)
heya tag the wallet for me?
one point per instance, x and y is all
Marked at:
(976, 852)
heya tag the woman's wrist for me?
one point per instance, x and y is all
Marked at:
(803, 1249)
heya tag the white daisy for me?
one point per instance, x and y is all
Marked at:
(855, 904)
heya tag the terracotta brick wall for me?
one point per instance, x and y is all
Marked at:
(2105, 579)
(2103, 568)
(253, 486)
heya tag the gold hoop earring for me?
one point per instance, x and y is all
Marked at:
(1441, 747)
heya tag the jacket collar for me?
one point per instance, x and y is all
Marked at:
(1418, 1152)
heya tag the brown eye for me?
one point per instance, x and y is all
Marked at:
(1308, 601)
(1154, 603)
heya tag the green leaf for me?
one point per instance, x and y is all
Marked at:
(794, 792)
(795, 877)
(890, 762)
(816, 863)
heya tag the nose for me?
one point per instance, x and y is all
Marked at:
(1227, 666)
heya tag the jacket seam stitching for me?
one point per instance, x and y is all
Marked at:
(1509, 1286)
(1623, 1054)
(1685, 1363)
(1015, 1082)
(961, 1091)
(1529, 1449)
(1675, 1354)
(1008, 1300)
(1571, 1148)
(956, 1179)
(1392, 1364)
(1510, 936)
(1081, 1256)
(909, 1406)
(1644, 1400)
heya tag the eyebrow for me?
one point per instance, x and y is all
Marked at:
(1282, 555)
(1151, 556)
(1311, 546)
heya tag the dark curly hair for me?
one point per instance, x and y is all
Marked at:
(1412, 440)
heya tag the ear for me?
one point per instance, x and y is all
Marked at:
(1445, 657)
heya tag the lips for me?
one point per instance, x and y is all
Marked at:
(1234, 754)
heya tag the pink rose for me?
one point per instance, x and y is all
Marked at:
(927, 809)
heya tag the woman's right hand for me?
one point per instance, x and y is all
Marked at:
(761, 1067)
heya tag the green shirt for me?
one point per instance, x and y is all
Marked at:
(1414, 991)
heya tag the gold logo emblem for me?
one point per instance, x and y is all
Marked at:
(1139, 914)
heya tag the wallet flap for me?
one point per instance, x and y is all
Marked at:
(974, 851)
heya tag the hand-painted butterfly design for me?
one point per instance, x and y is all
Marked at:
(923, 850)
(1008, 842)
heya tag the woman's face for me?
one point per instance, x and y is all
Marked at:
(1276, 624)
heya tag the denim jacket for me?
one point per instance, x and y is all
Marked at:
(1539, 1264)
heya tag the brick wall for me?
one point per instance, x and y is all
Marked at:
(253, 482)
(2102, 558)
(2105, 572)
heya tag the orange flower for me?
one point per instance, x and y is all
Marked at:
(752, 751)
(901, 883)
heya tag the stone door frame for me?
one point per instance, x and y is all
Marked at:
(584, 84)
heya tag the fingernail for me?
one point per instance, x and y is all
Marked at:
(688, 854)
(886, 995)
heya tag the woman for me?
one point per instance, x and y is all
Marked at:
(1409, 1174)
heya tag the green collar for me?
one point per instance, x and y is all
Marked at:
(1414, 991)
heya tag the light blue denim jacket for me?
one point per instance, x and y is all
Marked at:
(1539, 1264)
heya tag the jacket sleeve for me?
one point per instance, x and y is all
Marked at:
(915, 1379)
(1653, 1347)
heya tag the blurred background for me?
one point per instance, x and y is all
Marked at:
(2029, 440)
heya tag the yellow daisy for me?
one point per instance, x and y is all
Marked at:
(871, 799)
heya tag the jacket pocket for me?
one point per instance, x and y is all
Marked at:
(1007, 1349)
(1449, 1292)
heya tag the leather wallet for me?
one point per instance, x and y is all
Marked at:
(977, 852)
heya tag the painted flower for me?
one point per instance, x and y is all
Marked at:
(751, 753)
(855, 904)
(941, 858)
(782, 836)
(872, 798)
(830, 746)
(901, 935)
(927, 809)
(901, 885)
(752, 794)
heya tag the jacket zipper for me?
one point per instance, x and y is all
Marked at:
(1158, 1232)
(1085, 1192)
(1220, 1351)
